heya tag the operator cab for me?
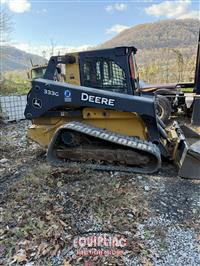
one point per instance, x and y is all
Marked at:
(112, 69)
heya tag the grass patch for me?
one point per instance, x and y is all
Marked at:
(189, 90)
(11, 87)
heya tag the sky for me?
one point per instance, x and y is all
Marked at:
(69, 25)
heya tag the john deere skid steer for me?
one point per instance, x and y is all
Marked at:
(95, 116)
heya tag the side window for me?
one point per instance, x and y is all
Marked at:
(86, 72)
(114, 76)
(38, 72)
(105, 71)
(134, 70)
(98, 70)
(104, 74)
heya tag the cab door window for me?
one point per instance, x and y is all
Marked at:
(104, 74)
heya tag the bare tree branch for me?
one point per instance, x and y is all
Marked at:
(6, 26)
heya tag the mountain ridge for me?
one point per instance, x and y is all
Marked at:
(16, 59)
(157, 40)
(160, 34)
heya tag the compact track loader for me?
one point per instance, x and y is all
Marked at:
(95, 116)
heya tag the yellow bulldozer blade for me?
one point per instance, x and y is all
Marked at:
(188, 154)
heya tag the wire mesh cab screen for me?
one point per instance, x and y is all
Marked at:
(104, 74)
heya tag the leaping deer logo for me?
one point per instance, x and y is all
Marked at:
(37, 103)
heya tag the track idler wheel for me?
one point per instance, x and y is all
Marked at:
(70, 139)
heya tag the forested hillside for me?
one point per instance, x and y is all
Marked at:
(161, 34)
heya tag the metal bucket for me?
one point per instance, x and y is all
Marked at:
(188, 153)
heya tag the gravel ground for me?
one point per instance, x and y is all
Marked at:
(169, 234)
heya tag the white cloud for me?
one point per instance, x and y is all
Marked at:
(116, 29)
(173, 9)
(42, 11)
(117, 6)
(58, 49)
(109, 9)
(17, 6)
(120, 7)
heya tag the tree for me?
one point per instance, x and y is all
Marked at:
(44, 53)
(180, 64)
(53, 44)
(6, 26)
(191, 66)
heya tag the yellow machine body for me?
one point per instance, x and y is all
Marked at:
(129, 124)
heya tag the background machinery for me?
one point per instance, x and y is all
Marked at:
(171, 98)
(98, 116)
